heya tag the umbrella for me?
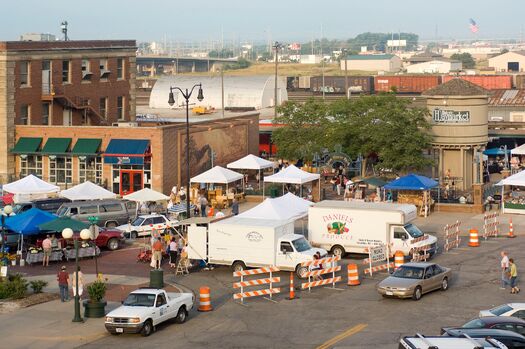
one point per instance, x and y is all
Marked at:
(62, 223)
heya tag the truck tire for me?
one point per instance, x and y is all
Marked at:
(112, 244)
(238, 266)
(147, 329)
(301, 271)
(338, 250)
(182, 315)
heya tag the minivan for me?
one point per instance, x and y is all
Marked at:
(50, 205)
(111, 213)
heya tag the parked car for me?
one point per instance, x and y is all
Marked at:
(50, 205)
(145, 308)
(108, 238)
(143, 225)
(511, 339)
(496, 322)
(111, 213)
(414, 280)
(435, 342)
(509, 309)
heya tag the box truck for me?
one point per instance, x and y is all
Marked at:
(351, 226)
(246, 242)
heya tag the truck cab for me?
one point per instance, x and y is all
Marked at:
(294, 249)
(402, 237)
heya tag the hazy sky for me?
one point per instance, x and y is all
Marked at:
(286, 20)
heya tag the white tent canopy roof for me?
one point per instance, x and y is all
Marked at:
(517, 179)
(251, 162)
(518, 150)
(292, 175)
(87, 191)
(145, 195)
(219, 175)
(30, 185)
(287, 207)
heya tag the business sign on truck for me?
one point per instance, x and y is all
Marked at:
(337, 226)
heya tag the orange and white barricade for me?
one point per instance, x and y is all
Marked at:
(420, 253)
(452, 238)
(243, 283)
(316, 273)
(491, 225)
(378, 254)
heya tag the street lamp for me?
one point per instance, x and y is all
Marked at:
(5, 213)
(277, 46)
(171, 101)
(67, 233)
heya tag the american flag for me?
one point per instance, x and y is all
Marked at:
(473, 26)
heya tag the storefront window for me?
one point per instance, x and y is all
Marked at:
(130, 178)
(31, 164)
(60, 170)
(90, 169)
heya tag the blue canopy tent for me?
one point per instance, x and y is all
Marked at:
(496, 152)
(27, 223)
(415, 182)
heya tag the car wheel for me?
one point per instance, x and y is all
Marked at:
(181, 315)
(238, 266)
(418, 293)
(444, 284)
(338, 251)
(147, 328)
(133, 235)
(112, 244)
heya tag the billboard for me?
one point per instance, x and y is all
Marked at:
(396, 43)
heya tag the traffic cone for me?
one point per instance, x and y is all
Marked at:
(473, 238)
(204, 299)
(399, 259)
(353, 275)
(292, 289)
(511, 229)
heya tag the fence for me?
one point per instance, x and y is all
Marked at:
(491, 225)
(242, 284)
(416, 255)
(378, 254)
(452, 238)
(321, 271)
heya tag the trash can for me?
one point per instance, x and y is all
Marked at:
(156, 278)
(274, 192)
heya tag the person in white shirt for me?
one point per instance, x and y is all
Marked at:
(504, 269)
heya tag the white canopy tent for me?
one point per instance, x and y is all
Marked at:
(516, 180)
(293, 175)
(29, 188)
(87, 191)
(218, 175)
(145, 195)
(518, 150)
(287, 207)
(251, 162)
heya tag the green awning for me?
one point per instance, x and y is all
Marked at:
(56, 146)
(27, 145)
(86, 146)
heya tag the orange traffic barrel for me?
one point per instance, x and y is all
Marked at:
(204, 299)
(353, 275)
(473, 238)
(399, 259)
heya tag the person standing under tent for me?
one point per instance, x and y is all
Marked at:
(203, 202)
(173, 252)
(47, 246)
(235, 207)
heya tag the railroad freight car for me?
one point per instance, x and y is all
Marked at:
(406, 83)
(336, 84)
(488, 82)
(519, 81)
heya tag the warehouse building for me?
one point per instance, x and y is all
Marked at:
(508, 62)
(436, 66)
(385, 62)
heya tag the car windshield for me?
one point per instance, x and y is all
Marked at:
(301, 245)
(137, 221)
(413, 231)
(61, 211)
(500, 310)
(17, 208)
(409, 273)
(140, 300)
(476, 323)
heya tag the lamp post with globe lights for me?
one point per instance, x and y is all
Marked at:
(5, 213)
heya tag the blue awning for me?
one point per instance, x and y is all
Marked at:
(496, 152)
(412, 182)
(126, 151)
(27, 223)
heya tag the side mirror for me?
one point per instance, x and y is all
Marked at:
(404, 237)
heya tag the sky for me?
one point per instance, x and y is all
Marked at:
(259, 21)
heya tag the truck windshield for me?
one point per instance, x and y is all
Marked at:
(301, 245)
(413, 231)
(137, 222)
(61, 211)
(140, 300)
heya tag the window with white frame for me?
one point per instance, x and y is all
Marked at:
(86, 70)
(90, 169)
(104, 71)
(45, 113)
(120, 107)
(25, 114)
(103, 106)
(31, 164)
(60, 169)
(66, 68)
(25, 68)
(120, 68)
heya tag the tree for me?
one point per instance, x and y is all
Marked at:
(465, 58)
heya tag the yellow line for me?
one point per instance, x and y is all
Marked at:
(340, 337)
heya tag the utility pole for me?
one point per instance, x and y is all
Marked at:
(277, 46)
(222, 89)
(344, 53)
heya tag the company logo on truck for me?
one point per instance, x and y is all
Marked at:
(254, 236)
(337, 225)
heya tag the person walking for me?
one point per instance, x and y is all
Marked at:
(47, 246)
(63, 284)
(235, 207)
(157, 253)
(513, 273)
(203, 203)
(504, 264)
(80, 283)
(173, 251)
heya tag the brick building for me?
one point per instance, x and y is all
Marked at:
(66, 83)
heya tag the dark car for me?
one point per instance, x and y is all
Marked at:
(511, 339)
(496, 322)
(50, 205)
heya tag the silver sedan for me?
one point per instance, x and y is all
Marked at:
(412, 280)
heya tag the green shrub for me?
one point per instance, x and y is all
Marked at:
(13, 287)
(96, 291)
(38, 285)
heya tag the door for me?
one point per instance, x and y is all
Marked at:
(146, 227)
(67, 117)
(286, 255)
(130, 181)
(432, 281)
(162, 308)
(399, 239)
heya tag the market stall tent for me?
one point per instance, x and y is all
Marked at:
(518, 150)
(218, 175)
(29, 188)
(27, 222)
(293, 175)
(287, 207)
(251, 162)
(60, 223)
(87, 191)
(516, 180)
(145, 195)
(412, 182)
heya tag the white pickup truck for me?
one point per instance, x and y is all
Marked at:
(145, 308)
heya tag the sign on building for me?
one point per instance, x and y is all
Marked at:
(440, 116)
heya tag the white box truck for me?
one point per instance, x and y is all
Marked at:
(245, 242)
(351, 226)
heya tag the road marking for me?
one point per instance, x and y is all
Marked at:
(340, 337)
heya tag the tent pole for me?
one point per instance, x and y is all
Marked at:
(319, 189)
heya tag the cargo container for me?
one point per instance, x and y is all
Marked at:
(336, 84)
(292, 83)
(519, 81)
(488, 82)
(406, 83)
(304, 82)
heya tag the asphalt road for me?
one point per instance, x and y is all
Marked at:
(352, 317)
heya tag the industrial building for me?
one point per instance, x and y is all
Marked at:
(435, 66)
(385, 62)
(513, 61)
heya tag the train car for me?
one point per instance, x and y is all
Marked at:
(488, 82)
(519, 81)
(336, 84)
(297, 83)
(415, 84)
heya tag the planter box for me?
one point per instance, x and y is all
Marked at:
(94, 310)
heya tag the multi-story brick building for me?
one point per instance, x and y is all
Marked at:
(67, 83)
